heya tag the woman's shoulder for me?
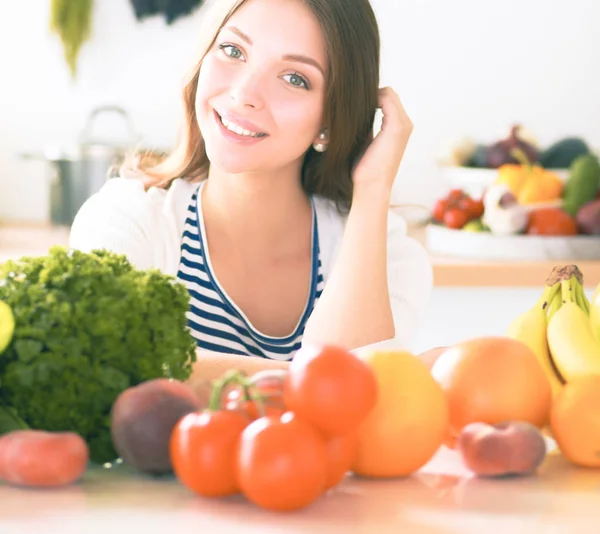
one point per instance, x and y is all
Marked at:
(126, 217)
(124, 190)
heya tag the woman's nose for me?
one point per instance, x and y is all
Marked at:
(247, 90)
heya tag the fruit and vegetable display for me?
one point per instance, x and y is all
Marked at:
(527, 196)
(82, 328)
(114, 381)
(559, 155)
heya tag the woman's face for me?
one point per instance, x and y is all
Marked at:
(259, 103)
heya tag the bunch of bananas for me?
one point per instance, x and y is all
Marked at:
(563, 328)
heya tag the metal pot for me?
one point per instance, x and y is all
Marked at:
(77, 172)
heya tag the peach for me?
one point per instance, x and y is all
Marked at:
(508, 448)
(143, 418)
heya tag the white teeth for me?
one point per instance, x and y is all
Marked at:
(238, 129)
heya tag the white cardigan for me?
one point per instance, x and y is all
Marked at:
(146, 226)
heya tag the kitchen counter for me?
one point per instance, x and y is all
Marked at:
(441, 498)
(18, 240)
(24, 239)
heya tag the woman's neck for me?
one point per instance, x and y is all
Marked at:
(265, 210)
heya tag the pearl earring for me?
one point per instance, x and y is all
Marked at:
(321, 147)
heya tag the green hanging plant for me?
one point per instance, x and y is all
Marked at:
(72, 21)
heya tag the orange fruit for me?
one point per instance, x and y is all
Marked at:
(409, 421)
(491, 380)
(575, 421)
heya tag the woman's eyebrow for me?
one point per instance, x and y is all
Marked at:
(288, 57)
(239, 33)
(304, 59)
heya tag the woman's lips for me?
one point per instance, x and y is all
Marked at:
(239, 138)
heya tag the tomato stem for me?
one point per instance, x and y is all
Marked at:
(252, 393)
(232, 376)
(246, 389)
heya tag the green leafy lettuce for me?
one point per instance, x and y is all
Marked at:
(88, 326)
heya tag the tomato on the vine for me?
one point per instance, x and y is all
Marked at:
(263, 395)
(282, 463)
(330, 388)
(439, 209)
(477, 209)
(454, 195)
(341, 453)
(455, 218)
(203, 451)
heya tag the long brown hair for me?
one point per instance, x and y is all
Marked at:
(353, 50)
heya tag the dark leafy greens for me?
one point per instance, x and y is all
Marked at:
(88, 326)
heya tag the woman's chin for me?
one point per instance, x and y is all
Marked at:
(231, 165)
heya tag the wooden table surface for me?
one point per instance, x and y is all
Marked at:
(442, 497)
(30, 239)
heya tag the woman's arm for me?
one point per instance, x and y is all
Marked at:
(211, 366)
(355, 309)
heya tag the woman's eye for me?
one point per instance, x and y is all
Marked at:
(231, 51)
(296, 80)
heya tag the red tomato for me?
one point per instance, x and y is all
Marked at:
(473, 208)
(282, 463)
(455, 195)
(341, 452)
(268, 385)
(439, 209)
(203, 451)
(456, 218)
(330, 388)
(477, 209)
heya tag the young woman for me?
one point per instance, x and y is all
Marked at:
(274, 208)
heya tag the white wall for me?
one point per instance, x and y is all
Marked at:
(455, 314)
(462, 67)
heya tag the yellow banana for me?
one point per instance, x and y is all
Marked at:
(573, 346)
(581, 299)
(595, 312)
(530, 328)
(554, 305)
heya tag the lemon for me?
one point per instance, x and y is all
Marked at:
(7, 325)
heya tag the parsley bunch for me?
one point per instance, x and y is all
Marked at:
(88, 326)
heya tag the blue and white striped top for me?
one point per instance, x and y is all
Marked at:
(213, 318)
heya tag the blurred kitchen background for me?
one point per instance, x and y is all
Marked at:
(464, 69)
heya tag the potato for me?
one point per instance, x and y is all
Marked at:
(143, 418)
(509, 448)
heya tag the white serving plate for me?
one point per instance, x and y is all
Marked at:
(474, 180)
(445, 241)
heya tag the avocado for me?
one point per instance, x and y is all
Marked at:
(563, 153)
(582, 184)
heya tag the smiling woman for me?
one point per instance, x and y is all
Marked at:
(273, 209)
